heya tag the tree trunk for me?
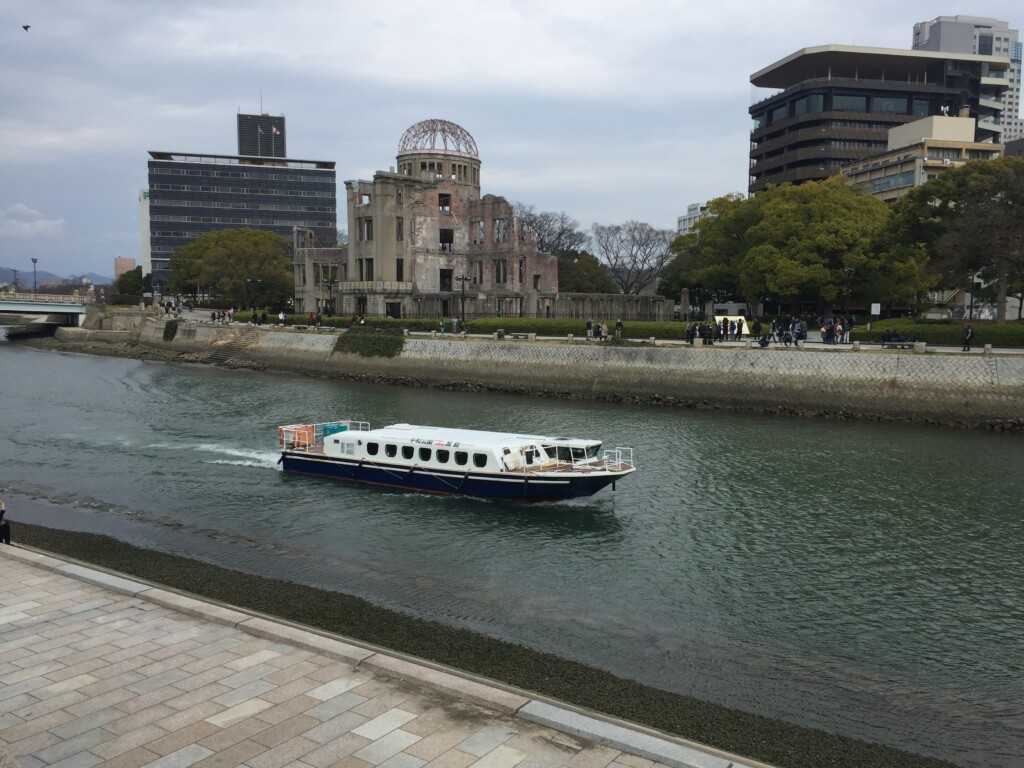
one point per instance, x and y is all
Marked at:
(1001, 298)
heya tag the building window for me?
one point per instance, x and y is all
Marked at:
(984, 45)
(500, 272)
(889, 104)
(536, 282)
(446, 239)
(399, 228)
(920, 108)
(500, 230)
(446, 279)
(368, 263)
(779, 113)
(813, 103)
(476, 229)
(444, 202)
(300, 274)
(364, 199)
(845, 103)
(367, 230)
(399, 197)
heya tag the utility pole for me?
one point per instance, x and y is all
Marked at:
(34, 260)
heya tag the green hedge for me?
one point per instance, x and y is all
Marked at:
(945, 332)
(368, 341)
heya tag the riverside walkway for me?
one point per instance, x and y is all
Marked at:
(100, 669)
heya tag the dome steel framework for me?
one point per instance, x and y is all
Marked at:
(438, 135)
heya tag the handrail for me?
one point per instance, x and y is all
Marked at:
(59, 298)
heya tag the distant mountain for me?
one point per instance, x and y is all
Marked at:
(43, 278)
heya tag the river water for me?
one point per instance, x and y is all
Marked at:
(866, 579)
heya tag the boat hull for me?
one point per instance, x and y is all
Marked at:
(529, 487)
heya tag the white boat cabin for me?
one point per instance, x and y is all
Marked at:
(441, 448)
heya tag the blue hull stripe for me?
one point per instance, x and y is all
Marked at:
(481, 485)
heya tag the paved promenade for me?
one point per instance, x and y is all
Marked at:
(98, 669)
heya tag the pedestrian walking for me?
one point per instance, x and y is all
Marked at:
(5, 527)
(968, 337)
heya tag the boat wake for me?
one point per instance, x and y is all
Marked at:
(240, 457)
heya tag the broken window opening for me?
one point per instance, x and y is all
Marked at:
(446, 240)
(444, 201)
(446, 279)
(500, 230)
(399, 228)
(500, 272)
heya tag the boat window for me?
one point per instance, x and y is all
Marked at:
(592, 451)
(577, 454)
(461, 457)
(551, 451)
(390, 450)
(442, 456)
(564, 453)
(479, 459)
(424, 454)
(371, 448)
(407, 451)
(528, 455)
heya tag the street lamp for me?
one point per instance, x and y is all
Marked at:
(462, 281)
(34, 260)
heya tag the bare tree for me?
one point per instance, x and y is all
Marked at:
(555, 232)
(634, 252)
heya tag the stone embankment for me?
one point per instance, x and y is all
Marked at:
(966, 390)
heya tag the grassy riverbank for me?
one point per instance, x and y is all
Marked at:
(758, 737)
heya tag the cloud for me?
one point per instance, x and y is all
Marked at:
(20, 222)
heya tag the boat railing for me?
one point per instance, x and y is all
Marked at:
(617, 458)
(310, 437)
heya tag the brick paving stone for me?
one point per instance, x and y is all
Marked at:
(351, 762)
(294, 705)
(248, 691)
(138, 719)
(32, 743)
(234, 734)
(239, 712)
(291, 672)
(333, 707)
(67, 747)
(36, 725)
(290, 690)
(594, 756)
(195, 681)
(334, 687)
(86, 705)
(79, 725)
(336, 727)
(27, 672)
(79, 669)
(246, 676)
(81, 760)
(136, 758)
(291, 658)
(376, 752)
(182, 758)
(453, 758)
(283, 754)
(187, 699)
(128, 742)
(236, 754)
(333, 751)
(501, 757)
(387, 700)
(200, 711)
(282, 732)
(38, 707)
(383, 724)
(335, 670)
(485, 739)
(437, 743)
(180, 738)
(252, 659)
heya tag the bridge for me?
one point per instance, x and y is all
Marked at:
(49, 309)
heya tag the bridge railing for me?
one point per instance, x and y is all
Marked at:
(57, 298)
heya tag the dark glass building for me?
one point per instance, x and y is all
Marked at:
(838, 103)
(190, 194)
(262, 136)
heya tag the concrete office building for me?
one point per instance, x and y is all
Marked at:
(694, 213)
(917, 153)
(193, 193)
(837, 104)
(985, 36)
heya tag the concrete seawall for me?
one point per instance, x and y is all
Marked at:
(969, 390)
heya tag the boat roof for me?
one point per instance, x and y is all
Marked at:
(473, 438)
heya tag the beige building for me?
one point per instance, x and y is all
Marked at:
(423, 241)
(918, 152)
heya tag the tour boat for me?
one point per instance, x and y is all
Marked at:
(462, 462)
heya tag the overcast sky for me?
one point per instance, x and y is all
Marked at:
(608, 110)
